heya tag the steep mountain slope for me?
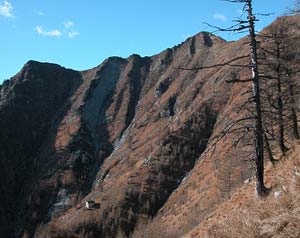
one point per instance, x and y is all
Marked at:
(225, 167)
(30, 104)
(134, 135)
(244, 216)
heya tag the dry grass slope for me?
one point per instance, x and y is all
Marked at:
(243, 215)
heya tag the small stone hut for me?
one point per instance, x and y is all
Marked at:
(90, 204)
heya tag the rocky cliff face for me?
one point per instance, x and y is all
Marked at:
(131, 134)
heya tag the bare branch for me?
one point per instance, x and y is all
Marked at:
(217, 65)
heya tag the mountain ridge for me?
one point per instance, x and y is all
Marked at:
(130, 134)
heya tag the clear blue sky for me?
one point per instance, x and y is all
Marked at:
(81, 34)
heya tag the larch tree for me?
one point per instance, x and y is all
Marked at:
(273, 59)
(257, 113)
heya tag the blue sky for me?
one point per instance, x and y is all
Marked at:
(81, 34)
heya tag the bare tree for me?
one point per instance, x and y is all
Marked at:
(296, 8)
(273, 59)
(293, 105)
(257, 119)
(280, 54)
(256, 114)
(291, 67)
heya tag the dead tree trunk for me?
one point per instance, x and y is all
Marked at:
(293, 110)
(282, 146)
(269, 150)
(258, 128)
(257, 114)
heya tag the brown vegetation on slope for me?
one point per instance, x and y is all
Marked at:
(245, 216)
(201, 193)
(137, 137)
